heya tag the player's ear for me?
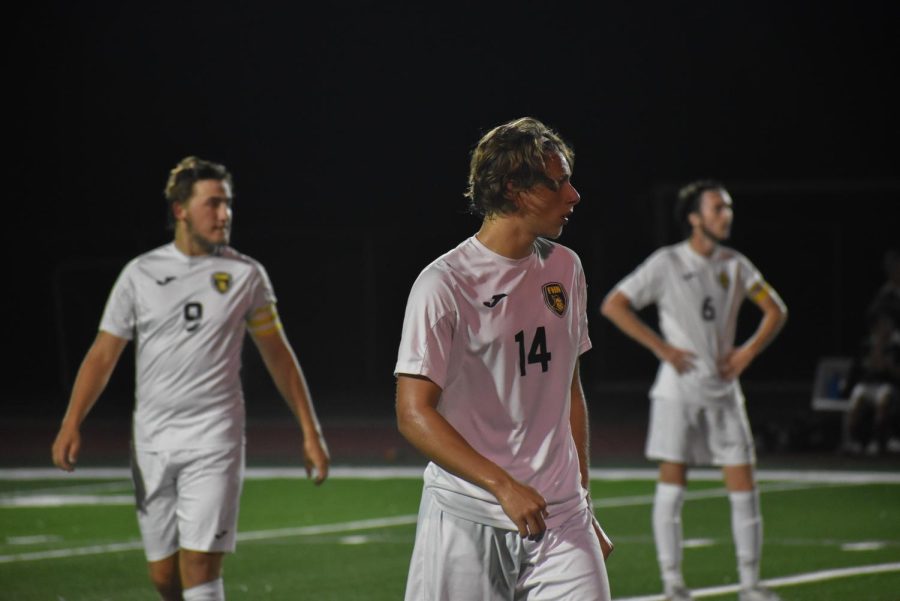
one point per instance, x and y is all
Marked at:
(513, 194)
(179, 210)
(694, 218)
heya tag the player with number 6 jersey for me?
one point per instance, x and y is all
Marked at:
(698, 299)
(697, 414)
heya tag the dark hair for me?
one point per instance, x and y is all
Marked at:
(688, 201)
(186, 173)
(515, 154)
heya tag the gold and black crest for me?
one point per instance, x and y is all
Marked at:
(221, 281)
(556, 298)
(724, 280)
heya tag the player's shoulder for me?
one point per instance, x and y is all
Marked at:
(160, 254)
(440, 272)
(446, 272)
(458, 261)
(727, 253)
(549, 249)
(668, 254)
(230, 254)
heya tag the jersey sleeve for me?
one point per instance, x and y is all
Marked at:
(262, 293)
(643, 286)
(428, 327)
(119, 315)
(584, 343)
(751, 279)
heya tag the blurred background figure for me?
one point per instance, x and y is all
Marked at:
(874, 419)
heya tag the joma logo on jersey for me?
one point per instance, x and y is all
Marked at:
(555, 296)
(221, 281)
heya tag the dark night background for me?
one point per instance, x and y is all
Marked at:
(347, 127)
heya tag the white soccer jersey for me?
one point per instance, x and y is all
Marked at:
(188, 318)
(501, 338)
(698, 299)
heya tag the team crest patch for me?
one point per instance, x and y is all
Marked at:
(724, 280)
(556, 298)
(221, 281)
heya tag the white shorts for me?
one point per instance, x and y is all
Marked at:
(187, 499)
(456, 559)
(696, 434)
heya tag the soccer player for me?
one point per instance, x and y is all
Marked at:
(488, 389)
(188, 305)
(697, 413)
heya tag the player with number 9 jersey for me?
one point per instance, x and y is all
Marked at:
(188, 306)
(189, 315)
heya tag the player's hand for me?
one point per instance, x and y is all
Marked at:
(316, 458)
(734, 363)
(525, 507)
(682, 360)
(66, 448)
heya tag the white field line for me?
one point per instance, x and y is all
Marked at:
(380, 473)
(63, 498)
(49, 497)
(400, 520)
(122, 486)
(783, 581)
(351, 526)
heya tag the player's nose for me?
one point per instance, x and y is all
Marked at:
(573, 197)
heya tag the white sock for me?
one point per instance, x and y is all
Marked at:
(746, 525)
(214, 590)
(667, 532)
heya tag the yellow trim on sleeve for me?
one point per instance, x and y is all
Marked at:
(262, 316)
(267, 330)
(758, 291)
(264, 321)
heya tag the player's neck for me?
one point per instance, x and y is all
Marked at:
(189, 245)
(506, 237)
(702, 244)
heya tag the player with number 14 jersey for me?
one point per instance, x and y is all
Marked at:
(501, 336)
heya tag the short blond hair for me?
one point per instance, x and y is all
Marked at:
(188, 171)
(511, 155)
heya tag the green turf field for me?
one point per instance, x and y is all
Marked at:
(352, 538)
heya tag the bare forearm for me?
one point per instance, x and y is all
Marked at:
(434, 437)
(617, 309)
(87, 389)
(92, 378)
(291, 384)
(773, 320)
(578, 418)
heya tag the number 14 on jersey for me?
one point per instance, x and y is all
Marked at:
(538, 352)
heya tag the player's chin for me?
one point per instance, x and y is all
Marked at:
(554, 233)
